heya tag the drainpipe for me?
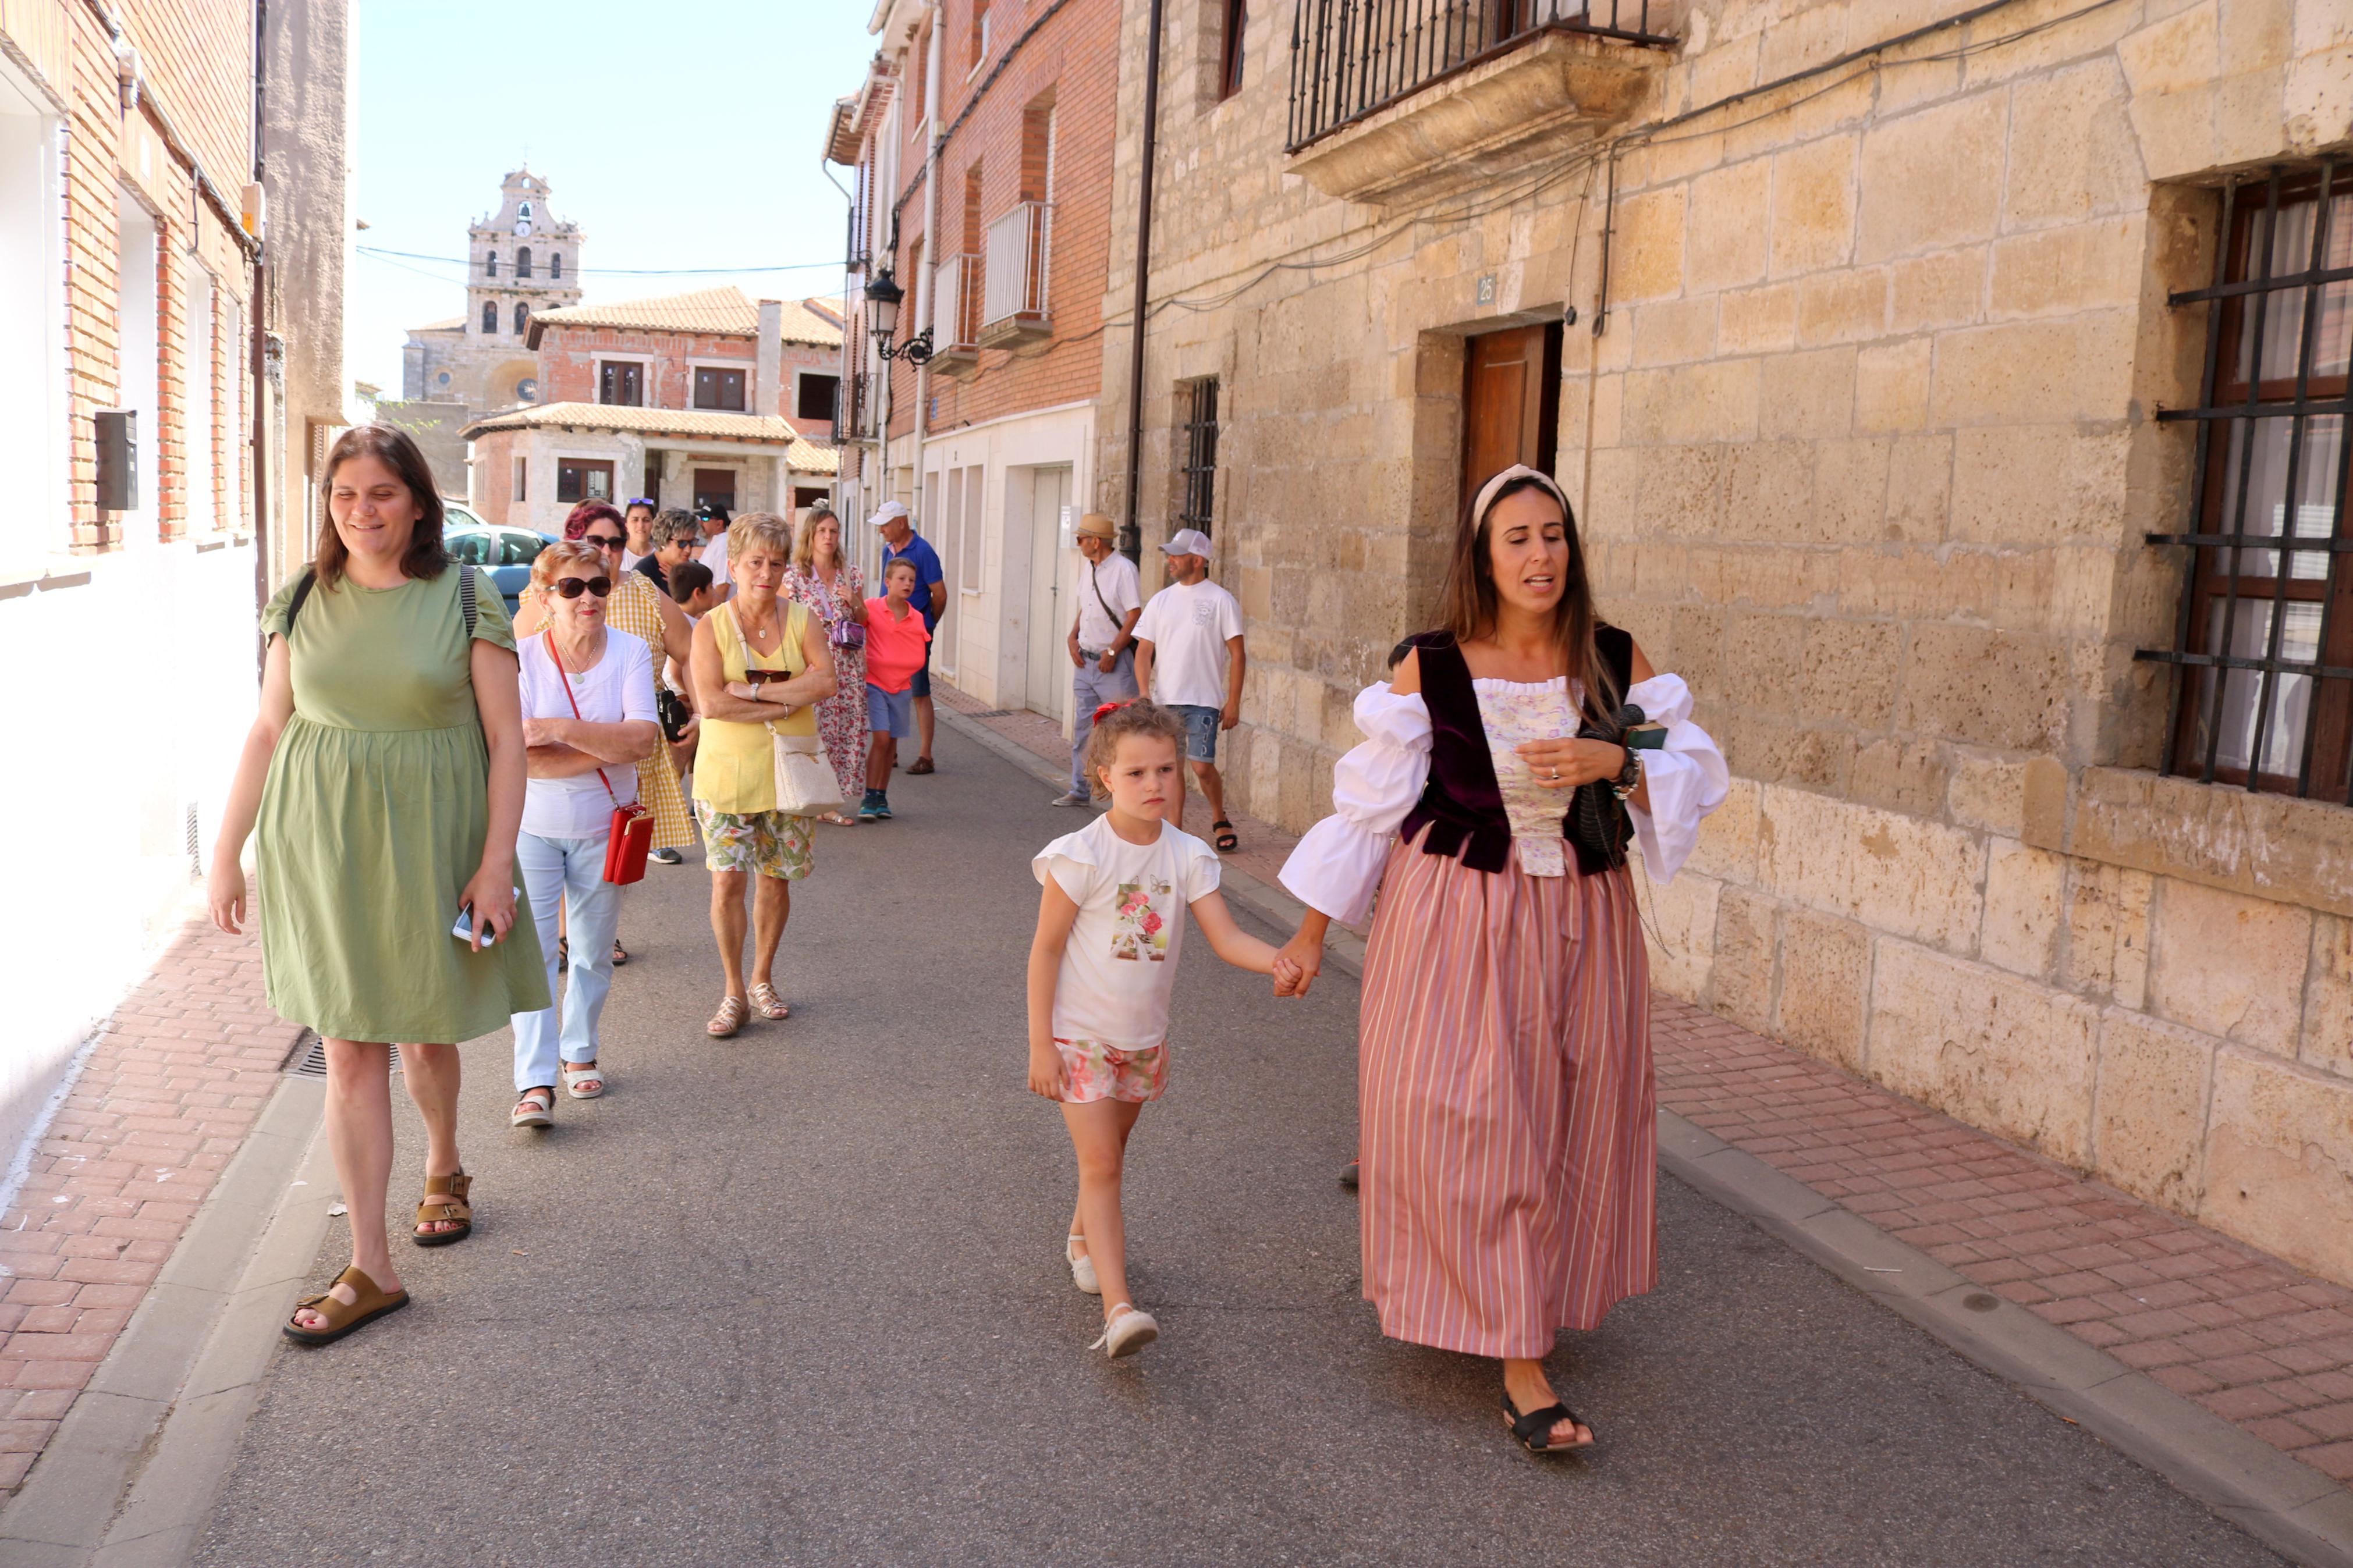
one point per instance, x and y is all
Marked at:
(926, 291)
(256, 314)
(1131, 543)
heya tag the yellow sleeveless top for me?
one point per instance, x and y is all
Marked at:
(735, 765)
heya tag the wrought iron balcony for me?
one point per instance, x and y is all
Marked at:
(1352, 58)
(956, 314)
(1013, 295)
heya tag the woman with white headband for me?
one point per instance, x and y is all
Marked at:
(1508, 1151)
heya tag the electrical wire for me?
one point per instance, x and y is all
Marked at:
(380, 254)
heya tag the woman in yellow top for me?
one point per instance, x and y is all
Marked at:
(646, 613)
(745, 837)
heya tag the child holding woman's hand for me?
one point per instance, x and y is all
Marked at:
(1110, 927)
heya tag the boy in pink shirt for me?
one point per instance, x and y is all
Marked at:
(896, 638)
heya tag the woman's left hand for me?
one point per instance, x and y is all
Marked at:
(491, 898)
(1566, 764)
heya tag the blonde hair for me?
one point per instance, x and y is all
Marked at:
(759, 528)
(805, 540)
(1140, 717)
(562, 553)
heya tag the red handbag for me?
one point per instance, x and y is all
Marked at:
(632, 833)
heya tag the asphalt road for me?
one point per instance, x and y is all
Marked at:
(798, 1297)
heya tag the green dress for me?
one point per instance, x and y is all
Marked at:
(372, 820)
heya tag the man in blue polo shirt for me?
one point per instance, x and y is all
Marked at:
(901, 542)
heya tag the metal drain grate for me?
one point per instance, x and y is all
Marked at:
(309, 1056)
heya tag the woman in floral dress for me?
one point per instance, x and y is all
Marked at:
(823, 579)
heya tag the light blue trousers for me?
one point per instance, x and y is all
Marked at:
(1089, 689)
(571, 870)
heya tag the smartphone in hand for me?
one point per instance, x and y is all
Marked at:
(464, 930)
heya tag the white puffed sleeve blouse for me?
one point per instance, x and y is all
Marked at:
(1337, 866)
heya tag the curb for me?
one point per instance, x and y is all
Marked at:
(2283, 1502)
(130, 1475)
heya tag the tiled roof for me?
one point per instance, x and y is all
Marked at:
(807, 457)
(705, 311)
(454, 324)
(687, 421)
(726, 311)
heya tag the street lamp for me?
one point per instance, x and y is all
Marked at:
(883, 296)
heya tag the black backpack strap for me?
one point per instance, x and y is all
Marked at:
(466, 598)
(302, 586)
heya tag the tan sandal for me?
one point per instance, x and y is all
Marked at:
(453, 1188)
(370, 1304)
(728, 1019)
(771, 1006)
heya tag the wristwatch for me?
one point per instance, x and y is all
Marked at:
(1629, 777)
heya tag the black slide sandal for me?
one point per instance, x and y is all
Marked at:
(1222, 835)
(1538, 1423)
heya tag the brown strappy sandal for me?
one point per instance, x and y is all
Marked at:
(370, 1305)
(767, 1003)
(456, 1185)
(728, 1019)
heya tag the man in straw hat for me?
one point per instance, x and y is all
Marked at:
(1103, 643)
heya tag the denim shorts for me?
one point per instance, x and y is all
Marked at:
(1200, 729)
(890, 713)
(923, 682)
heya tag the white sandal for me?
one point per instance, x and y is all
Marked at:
(574, 1077)
(1082, 1266)
(1127, 1332)
(538, 1115)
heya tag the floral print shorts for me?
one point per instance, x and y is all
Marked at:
(767, 842)
(1092, 1070)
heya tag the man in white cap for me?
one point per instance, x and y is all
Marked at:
(1103, 643)
(904, 543)
(1189, 659)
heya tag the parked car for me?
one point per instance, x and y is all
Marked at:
(505, 554)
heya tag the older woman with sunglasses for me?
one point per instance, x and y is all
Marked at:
(588, 722)
(646, 613)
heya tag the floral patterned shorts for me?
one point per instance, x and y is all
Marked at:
(767, 842)
(1093, 1071)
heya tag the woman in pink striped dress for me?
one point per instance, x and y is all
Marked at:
(1509, 1159)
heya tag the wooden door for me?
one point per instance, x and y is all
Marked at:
(1510, 402)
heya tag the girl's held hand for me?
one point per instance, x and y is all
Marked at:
(1046, 1076)
(1289, 978)
(491, 898)
(225, 892)
(1304, 956)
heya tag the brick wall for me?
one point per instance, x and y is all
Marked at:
(206, 88)
(1061, 64)
(568, 357)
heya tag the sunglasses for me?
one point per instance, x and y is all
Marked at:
(607, 541)
(572, 587)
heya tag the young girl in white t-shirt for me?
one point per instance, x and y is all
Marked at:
(1111, 925)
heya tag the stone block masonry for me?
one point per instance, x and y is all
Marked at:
(1862, 442)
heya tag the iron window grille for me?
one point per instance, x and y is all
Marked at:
(1200, 457)
(2264, 638)
(1351, 57)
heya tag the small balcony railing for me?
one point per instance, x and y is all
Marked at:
(1351, 57)
(849, 410)
(1013, 274)
(957, 313)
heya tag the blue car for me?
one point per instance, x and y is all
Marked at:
(504, 555)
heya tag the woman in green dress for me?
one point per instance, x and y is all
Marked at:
(384, 777)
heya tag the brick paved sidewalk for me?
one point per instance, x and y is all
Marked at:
(2243, 1334)
(167, 1097)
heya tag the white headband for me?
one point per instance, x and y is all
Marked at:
(1486, 496)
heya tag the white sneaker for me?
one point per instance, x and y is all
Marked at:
(1082, 1267)
(1127, 1331)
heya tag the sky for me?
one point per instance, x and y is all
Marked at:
(677, 134)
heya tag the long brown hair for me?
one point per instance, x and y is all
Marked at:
(1467, 605)
(425, 557)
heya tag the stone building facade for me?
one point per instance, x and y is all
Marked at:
(171, 247)
(685, 399)
(1856, 332)
(981, 145)
(521, 260)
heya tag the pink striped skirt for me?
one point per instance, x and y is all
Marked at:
(1509, 1146)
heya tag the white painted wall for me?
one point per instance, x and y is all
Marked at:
(140, 355)
(33, 438)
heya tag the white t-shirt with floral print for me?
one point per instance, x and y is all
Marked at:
(1121, 960)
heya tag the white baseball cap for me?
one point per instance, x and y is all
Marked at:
(1188, 542)
(886, 511)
